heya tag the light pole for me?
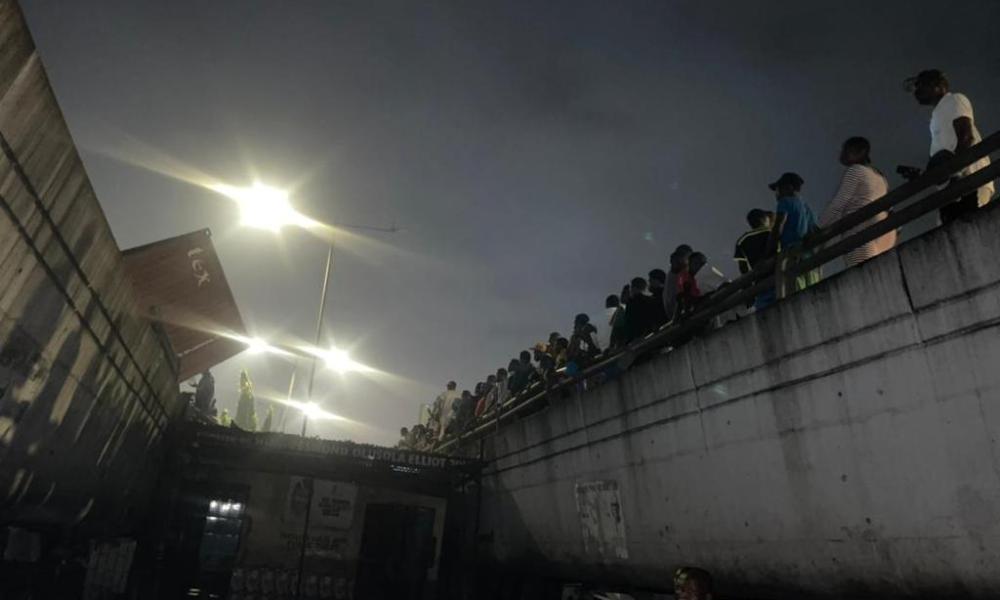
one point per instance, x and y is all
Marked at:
(266, 207)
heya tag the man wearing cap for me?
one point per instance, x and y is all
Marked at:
(953, 129)
(793, 221)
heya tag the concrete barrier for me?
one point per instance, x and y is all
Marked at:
(842, 442)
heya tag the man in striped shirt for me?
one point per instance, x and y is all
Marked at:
(860, 185)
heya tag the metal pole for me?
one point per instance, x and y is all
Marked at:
(291, 390)
(319, 333)
(305, 536)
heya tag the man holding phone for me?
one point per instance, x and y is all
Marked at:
(953, 129)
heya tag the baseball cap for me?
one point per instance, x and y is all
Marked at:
(792, 179)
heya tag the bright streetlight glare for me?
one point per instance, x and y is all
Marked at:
(263, 206)
(337, 360)
(256, 346)
(313, 411)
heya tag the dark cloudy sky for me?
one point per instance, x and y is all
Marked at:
(538, 154)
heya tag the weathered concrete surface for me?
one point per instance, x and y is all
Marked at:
(86, 387)
(842, 442)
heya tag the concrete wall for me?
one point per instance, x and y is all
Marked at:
(842, 442)
(86, 387)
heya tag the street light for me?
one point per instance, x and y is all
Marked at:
(264, 207)
(267, 207)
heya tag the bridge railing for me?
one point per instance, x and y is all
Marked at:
(903, 205)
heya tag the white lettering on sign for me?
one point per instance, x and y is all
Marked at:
(201, 274)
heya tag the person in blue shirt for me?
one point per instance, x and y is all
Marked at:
(793, 221)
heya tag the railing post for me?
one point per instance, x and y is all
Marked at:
(780, 275)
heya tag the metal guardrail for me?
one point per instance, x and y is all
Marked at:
(812, 254)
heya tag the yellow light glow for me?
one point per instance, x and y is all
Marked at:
(263, 206)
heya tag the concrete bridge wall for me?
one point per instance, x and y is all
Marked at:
(842, 442)
(86, 387)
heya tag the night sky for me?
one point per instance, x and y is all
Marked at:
(536, 154)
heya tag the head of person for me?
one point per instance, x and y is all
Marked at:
(562, 343)
(696, 261)
(466, 394)
(789, 184)
(759, 218)
(638, 286)
(612, 302)
(927, 87)
(679, 262)
(501, 374)
(540, 350)
(525, 357)
(657, 279)
(452, 385)
(692, 583)
(404, 432)
(580, 320)
(856, 151)
(514, 364)
(553, 337)
(684, 249)
(491, 380)
(626, 294)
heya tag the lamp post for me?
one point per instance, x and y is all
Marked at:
(266, 207)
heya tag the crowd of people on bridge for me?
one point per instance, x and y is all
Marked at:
(647, 305)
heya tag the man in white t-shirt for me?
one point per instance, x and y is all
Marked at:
(444, 406)
(953, 129)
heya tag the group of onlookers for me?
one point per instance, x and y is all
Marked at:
(543, 365)
(647, 305)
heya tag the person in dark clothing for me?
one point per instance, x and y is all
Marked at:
(583, 348)
(465, 411)
(641, 313)
(751, 248)
(625, 295)
(677, 283)
(521, 373)
(657, 281)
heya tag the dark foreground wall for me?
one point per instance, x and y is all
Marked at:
(86, 387)
(844, 442)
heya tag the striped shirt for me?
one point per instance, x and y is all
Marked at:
(860, 185)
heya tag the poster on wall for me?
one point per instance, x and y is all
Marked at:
(331, 515)
(601, 519)
(333, 504)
